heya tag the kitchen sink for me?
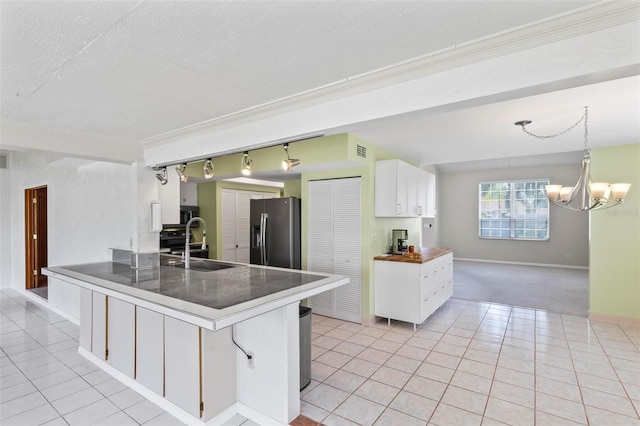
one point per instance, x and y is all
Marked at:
(200, 265)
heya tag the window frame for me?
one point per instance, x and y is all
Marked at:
(513, 215)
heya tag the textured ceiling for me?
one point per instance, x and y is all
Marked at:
(136, 70)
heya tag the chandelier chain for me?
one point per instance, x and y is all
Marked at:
(584, 117)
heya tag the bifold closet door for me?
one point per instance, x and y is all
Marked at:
(334, 244)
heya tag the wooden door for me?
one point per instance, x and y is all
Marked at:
(35, 236)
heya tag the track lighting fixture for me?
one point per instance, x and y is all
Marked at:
(181, 172)
(246, 163)
(162, 177)
(288, 163)
(208, 169)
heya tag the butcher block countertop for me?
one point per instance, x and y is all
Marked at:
(426, 254)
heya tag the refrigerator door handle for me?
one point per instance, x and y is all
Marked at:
(263, 236)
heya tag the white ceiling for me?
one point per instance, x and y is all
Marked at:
(242, 74)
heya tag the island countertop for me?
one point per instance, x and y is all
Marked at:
(210, 299)
(426, 254)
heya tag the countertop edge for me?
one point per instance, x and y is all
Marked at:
(428, 254)
(203, 316)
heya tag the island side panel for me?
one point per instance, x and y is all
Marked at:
(86, 312)
(182, 365)
(121, 335)
(219, 381)
(150, 349)
(272, 386)
(99, 326)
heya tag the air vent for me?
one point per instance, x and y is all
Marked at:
(3, 161)
(361, 151)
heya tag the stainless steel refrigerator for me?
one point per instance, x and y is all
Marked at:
(275, 232)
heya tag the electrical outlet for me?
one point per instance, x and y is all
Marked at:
(374, 237)
(569, 256)
(251, 362)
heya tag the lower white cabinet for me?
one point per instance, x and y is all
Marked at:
(86, 311)
(182, 365)
(121, 316)
(196, 363)
(412, 291)
(99, 325)
(150, 349)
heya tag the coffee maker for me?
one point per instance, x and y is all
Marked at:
(399, 240)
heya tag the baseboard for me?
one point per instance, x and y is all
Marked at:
(614, 318)
(368, 321)
(45, 303)
(545, 265)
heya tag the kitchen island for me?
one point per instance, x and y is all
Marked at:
(203, 343)
(410, 287)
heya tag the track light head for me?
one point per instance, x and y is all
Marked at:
(288, 163)
(209, 172)
(246, 163)
(162, 177)
(181, 172)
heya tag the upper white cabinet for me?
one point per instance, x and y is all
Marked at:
(431, 195)
(402, 190)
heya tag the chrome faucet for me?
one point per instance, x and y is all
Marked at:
(187, 247)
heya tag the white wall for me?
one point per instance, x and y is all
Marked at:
(145, 190)
(169, 196)
(458, 196)
(89, 211)
(5, 226)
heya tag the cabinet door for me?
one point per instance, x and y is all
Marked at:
(405, 189)
(422, 181)
(386, 198)
(411, 185)
(431, 195)
(86, 312)
(121, 320)
(182, 365)
(229, 225)
(150, 349)
(99, 326)
(242, 228)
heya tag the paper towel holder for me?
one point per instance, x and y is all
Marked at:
(156, 217)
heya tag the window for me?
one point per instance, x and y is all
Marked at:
(517, 210)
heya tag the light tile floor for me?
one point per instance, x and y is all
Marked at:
(470, 363)
(475, 364)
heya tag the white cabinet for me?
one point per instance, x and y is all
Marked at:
(218, 355)
(430, 195)
(99, 325)
(121, 317)
(412, 291)
(401, 190)
(150, 349)
(334, 244)
(182, 365)
(86, 311)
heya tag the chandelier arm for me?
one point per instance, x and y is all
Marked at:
(598, 205)
(584, 117)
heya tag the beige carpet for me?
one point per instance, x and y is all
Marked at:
(560, 290)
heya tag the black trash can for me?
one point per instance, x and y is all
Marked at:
(305, 346)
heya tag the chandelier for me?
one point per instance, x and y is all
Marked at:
(584, 195)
